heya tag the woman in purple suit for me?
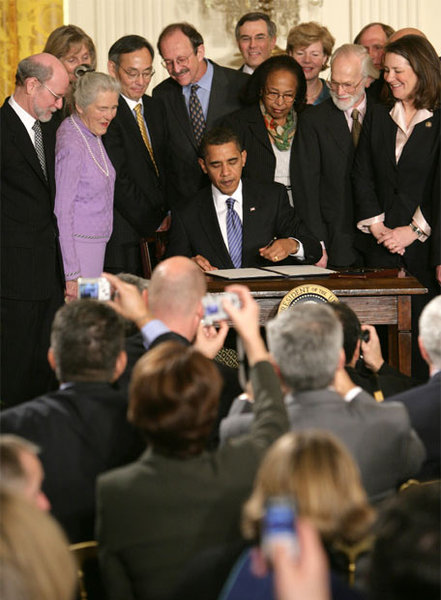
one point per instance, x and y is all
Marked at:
(85, 179)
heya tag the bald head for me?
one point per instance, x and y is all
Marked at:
(176, 289)
(41, 83)
(406, 31)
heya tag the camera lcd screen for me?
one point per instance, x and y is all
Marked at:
(89, 290)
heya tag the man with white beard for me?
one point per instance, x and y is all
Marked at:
(323, 153)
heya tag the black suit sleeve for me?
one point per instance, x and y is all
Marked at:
(144, 208)
(178, 241)
(289, 225)
(306, 177)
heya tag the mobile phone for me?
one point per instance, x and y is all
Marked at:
(279, 526)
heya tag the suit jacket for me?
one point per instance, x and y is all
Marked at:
(140, 203)
(381, 185)
(158, 513)
(82, 431)
(266, 214)
(185, 177)
(379, 436)
(31, 267)
(323, 153)
(423, 404)
(248, 123)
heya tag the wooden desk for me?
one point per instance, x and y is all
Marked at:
(376, 299)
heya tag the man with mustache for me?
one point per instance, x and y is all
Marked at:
(197, 94)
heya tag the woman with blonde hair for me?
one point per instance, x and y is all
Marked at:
(36, 563)
(316, 471)
(311, 45)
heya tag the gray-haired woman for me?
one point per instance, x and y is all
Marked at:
(85, 179)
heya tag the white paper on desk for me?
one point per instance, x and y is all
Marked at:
(298, 270)
(250, 273)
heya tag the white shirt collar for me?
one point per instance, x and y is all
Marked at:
(132, 103)
(220, 199)
(27, 119)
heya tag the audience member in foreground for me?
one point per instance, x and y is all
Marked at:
(275, 95)
(423, 403)
(364, 360)
(136, 144)
(31, 273)
(238, 223)
(21, 470)
(82, 428)
(196, 96)
(307, 345)
(174, 303)
(323, 153)
(317, 474)
(405, 559)
(177, 499)
(256, 36)
(35, 560)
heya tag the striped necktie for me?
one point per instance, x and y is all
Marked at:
(234, 234)
(145, 137)
(356, 126)
(196, 115)
(39, 148)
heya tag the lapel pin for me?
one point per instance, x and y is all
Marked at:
(429, 124)
(252, 209)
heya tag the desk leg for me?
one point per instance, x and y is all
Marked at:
(404, 336)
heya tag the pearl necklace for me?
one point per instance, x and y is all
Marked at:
(104, 170)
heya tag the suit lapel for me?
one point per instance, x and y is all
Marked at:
(210, 226)
(251, 204)
(20, 137)
(182, 118)
(129, 123)
(258, 129)
(338, 129)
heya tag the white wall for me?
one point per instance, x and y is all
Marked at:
(107, 20)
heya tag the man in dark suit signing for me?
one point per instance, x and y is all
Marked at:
(237, 223)
(197, 94)
(32, 276)
(136, 144)
(323, 153)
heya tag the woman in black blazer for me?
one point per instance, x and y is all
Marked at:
(395, 169)
(274, 95)
(395, 175)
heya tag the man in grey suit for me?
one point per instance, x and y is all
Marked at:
(323, 152)
(306, 343)
(197, 94)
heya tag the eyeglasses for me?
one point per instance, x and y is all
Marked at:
(260, 37)
(181, 61)
(56, 96)
(132, 75)
(288, 97)
(347, 87)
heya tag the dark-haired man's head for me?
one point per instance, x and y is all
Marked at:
(351, 330)
(256, 38)
(87, 342)
(182, 49)
(130, 62)
(222, 159)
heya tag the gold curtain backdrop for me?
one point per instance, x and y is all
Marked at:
(25, 26)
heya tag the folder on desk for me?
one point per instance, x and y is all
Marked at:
(270, 272)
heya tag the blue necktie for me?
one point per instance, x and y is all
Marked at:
(234, 234)
(196, 114)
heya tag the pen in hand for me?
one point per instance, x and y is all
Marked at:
(270, 243)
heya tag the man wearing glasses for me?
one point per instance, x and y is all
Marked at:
(323, 153)
(32, 277)
(136, 144)
(197, 94)
(256, 37)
